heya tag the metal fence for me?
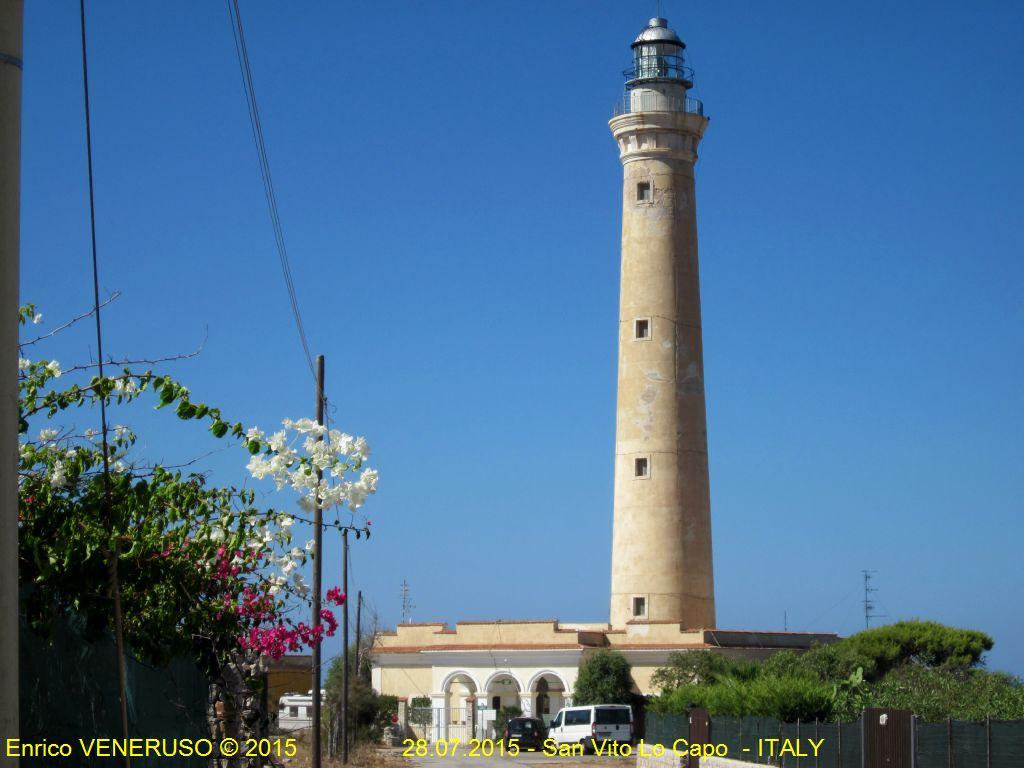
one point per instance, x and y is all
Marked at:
(950, 744)
(656, 102)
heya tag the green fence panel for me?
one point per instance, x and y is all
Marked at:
(753, 730)
(852, 737)
(792, 733)
(69, 691)
(1007, 744)
(841, 744)
(726, 730)
(665, 729)
(932, 745)
(828, 749)
(969, 744)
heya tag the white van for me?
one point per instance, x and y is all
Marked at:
(594, 723)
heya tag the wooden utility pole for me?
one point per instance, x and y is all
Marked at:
(359, 629)
(10, 217)
(318, 544)
(344, 632)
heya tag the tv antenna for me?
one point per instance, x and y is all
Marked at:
(407, 604)
(869, 604)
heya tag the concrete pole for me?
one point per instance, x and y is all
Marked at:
(10, 212)
(318, 569)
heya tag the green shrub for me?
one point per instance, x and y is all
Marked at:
(419, 710)
(923, 666)
(604, 678)
(504, 715)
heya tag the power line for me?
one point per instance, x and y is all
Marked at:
(114, 555)
(242, 52)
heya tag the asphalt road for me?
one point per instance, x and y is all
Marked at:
(462, 759)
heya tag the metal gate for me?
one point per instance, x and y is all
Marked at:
(459, 724)
(437, 723)
(888, 738)
(700, 732)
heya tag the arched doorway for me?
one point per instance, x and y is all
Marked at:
(459, 700)
(502, 691)
(548, 695)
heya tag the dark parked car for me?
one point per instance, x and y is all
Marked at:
(527, 732)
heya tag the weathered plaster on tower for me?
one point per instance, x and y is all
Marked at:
(661, 544)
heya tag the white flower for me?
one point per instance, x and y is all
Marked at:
(288, 567)
(276, 441)
(120, 466)
(46, 435)
(37, 318)
(58, 479)
(257, 467)
(296, 553)
(254, 433)
(287, 522)
(342, 443)
(54, 368)
(90, 433)
(23, 363)
(359, 449)
(274, 589)
(309, 545)
(299, 584)
(120, 430)
(217, 535)
(125, 386)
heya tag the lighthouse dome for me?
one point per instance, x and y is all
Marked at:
(657, 31)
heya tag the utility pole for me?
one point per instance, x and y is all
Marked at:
(318, 550)
(359, 629)
(869, 604)
(344, 632)
(10, 236)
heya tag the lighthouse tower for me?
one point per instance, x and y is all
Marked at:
(661, 542)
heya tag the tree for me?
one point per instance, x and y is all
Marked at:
(203, 572)
(688, 667)
(369, 713)
(935, 693)
(882, 649)
(604, 678)
(919, 665)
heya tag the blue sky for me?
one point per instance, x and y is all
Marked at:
(450, 195)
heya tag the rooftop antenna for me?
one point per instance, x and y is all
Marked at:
(407, 604)
(869, 605)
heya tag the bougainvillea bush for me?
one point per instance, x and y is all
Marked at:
(203, 570)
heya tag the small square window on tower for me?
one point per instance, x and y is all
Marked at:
(643, 192)
(642, 329)
(641, 466)
(639, 607)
